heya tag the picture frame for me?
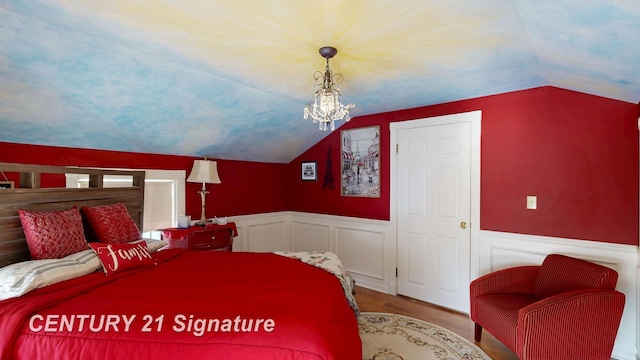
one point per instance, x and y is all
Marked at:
(309, 171)
(6, 185)
(360, 162)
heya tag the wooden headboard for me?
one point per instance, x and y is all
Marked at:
(28, 195)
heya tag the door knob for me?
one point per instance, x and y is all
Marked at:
(463, 225)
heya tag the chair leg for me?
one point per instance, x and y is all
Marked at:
(477, 334)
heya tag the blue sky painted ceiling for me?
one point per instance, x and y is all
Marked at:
(229, 79)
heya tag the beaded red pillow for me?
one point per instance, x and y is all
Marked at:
(120, 257)
(53, 234)
(112, 224)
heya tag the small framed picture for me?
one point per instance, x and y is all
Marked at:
(6, 185)
(309, 171)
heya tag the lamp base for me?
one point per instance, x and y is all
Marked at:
(203, 218)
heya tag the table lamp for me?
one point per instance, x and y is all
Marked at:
(204, 171)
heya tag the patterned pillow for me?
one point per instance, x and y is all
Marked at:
(120, 257)
(53, 234)
(112, 223)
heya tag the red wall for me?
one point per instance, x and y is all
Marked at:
(577, 153)
(246, 188)
(309, 196)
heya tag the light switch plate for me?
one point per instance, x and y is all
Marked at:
(532, 202)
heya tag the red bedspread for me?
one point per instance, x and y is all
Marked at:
(192, 305)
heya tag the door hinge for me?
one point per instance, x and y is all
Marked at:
(396, 148)
(396, 272)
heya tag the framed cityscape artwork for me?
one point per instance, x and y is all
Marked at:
(360, 162)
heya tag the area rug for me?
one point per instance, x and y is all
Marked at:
(396, 337)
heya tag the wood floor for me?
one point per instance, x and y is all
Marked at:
(370, 300)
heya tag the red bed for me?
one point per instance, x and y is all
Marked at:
(145, 312)
(172, 304)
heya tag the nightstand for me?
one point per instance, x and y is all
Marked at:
(201, 238)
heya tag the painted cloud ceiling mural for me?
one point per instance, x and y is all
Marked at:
(229, 79)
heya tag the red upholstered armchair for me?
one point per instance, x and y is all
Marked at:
(566, 308)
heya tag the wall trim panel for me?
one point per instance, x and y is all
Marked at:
(248, 237)
(351, 246)
(311, 237)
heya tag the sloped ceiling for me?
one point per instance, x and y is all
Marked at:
(228, 79)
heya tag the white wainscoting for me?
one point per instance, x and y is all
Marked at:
(363, 245)
(367, 249)
(501, 250)
(262, 232)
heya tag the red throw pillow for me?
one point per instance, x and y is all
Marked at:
(53, 234)
(112, 223)
(120, 257)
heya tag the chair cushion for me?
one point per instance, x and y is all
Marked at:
(559, 273)
(498, 314)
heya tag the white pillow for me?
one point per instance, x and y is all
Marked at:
(20, 278)
(153, 244)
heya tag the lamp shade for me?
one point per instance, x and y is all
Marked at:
(204, 171)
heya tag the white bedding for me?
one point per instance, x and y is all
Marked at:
(329, 262)
(20, 278)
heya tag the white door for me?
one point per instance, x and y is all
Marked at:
(433, 207)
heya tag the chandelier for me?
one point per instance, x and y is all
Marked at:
(325, 108)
